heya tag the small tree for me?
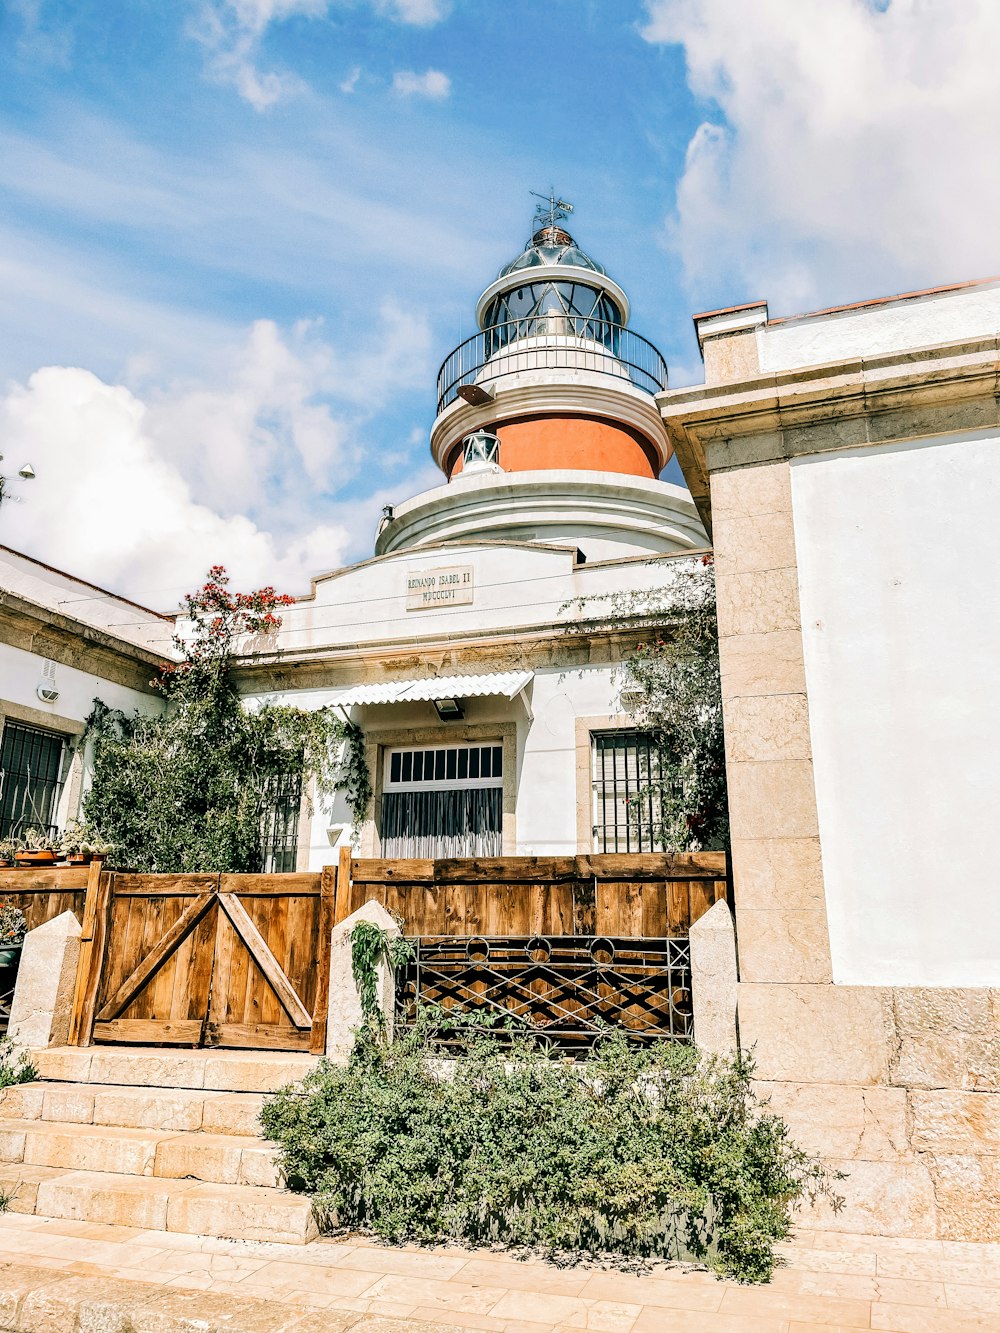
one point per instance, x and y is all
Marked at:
(188, 790)
(669, 686)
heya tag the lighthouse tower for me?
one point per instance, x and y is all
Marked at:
(547, 427)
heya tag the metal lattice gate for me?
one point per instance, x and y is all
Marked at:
(565, 989)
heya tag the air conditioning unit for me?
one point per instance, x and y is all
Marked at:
(46, 690)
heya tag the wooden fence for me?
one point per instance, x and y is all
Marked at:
(571, 946)
(243, 960)
(614, 895)
(42, 894)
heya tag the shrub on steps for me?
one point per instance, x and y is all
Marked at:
(652, 1152)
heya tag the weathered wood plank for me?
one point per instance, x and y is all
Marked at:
(128, 885)
(327, 915)
(265, 960)
(304, 884)
(31, 879)
(147, 1032)
(133, 983)
(258, 1036)
(92, 955)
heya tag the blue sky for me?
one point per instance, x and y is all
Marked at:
(240, 235)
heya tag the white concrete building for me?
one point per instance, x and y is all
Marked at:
(63, 643)
(474, 650)
(848, 465)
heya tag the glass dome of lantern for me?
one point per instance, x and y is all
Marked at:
(544, 302)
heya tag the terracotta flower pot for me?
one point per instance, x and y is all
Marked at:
(35, 858)
(79, 858)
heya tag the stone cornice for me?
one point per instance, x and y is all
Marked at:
(877, 400)
(38, 629)
(557, 644)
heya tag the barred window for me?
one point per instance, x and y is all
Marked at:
(445, 801)
(32, 771)
(280, 823)
(626, 771)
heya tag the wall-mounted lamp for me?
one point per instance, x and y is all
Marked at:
(449, 710)
(475, 395)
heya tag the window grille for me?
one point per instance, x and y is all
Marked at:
(32, 771)
(280, 823)
(446, 801)
(626, 773)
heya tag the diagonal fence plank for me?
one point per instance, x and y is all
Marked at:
(153, 961)
(265, 960)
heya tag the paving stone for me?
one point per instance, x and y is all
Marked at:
(178, 1109)
(22, 1101)
(92, 1196)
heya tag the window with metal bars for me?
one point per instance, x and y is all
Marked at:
(446, 801)
(626, 773)
(32, 771)
(280, 824)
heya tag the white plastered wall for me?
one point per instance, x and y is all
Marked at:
(546, 790)
(898, 554)
(20, 676)
(875, 330)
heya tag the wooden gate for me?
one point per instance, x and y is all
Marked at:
(214, 960)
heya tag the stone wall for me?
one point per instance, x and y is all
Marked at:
(897, 1087)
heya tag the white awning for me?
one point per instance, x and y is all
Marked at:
(506, 683)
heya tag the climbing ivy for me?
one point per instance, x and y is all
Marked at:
(371, 947)
(189, 790)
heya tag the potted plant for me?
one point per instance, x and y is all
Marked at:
(80, 845)
(8, 850)
(36, 849)
(74, 847)
(12, 928)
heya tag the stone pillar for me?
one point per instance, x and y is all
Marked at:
(777, 865)
(713, 981)
(345, 1015)
(43, 996)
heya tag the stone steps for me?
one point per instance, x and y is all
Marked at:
(178, 1109)
(234, 1212)
(158, 1139)
(215, 1070)
(228, 1159)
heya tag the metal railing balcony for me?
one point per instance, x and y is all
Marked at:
(552, 342)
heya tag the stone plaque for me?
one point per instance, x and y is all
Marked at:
(449, 586)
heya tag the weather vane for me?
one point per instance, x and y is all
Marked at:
(551, 210)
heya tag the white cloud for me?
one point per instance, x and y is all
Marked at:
(245, 465)
(232, 31)
(432, 84)
(110, 505)
(421, 13)
(849, 150)
(258, 431)
(349, 84)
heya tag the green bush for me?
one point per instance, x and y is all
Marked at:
(15, 1065)
(641, 1152)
